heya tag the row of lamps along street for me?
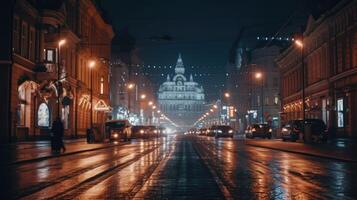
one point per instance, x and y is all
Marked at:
(150, 103)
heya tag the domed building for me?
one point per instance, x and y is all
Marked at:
(182, 100)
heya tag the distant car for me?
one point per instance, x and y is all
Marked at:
(192, 131)
(140, 132)
(153, 131)
(291, 130)
(258, 130)
(202, 131)
(118, 130)
(221, 131)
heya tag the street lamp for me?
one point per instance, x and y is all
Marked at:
(150, 103)
(143, 96)
(60, 44)
(259, 75)
(300, 43)
(130, 87)
(227, 95)
(91, 66)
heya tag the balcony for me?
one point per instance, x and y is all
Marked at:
(46, 71)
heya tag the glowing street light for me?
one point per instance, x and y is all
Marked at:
(143, 96)
(131, 86)
(299, 43)
(150, 103)
(91, 64)
(211, 110)
(61, 42)
(258, 75)
(227, 95)
(154, 107)
(215, 106)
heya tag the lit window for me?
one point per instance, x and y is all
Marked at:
(276, 100)
(50, 55)
(340, 116)
(101, 85)
(43, 115)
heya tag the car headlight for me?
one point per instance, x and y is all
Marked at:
(230, 131)
(142, 131)
(270, 130)
(219, 131)
(284, 130)
(253, 130)
(115, 135)
(155, 131)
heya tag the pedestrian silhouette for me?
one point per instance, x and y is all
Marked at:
(57, 136)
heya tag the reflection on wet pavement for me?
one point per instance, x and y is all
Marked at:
(258, 173)
(185, 167)
(184, 176)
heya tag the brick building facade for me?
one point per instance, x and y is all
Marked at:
(330, 60)
(33, 56)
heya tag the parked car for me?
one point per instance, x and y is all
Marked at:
(291, 130)
(221, 131)
(258, 130)
(319, 132)
(118, 130)
(315, 130)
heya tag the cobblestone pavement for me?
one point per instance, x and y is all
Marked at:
(182, 167)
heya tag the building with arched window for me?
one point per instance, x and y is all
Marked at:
(181, 99)
(46, 73)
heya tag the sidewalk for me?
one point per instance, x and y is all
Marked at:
(339, 149)
(24, 152)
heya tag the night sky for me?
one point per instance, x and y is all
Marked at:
(202, 31)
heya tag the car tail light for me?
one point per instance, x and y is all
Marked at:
(253, 130)
(284, 130)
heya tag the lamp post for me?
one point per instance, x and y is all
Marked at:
(142, 108)
(60, 44)
(300, 44)
(91, 66)
(227, 95)
(130, 87)
(258, 76)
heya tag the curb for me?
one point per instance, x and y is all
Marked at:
(306, 154)
(60, 155)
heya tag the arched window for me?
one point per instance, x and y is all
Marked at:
(101, 85)
(43, 115)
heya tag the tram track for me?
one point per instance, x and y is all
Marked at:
(82, 176)
(80, 188)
